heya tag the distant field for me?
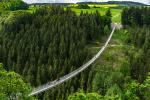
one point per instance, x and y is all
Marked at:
(102, 8)
(116, 13)
(104, 5)
(97, 5)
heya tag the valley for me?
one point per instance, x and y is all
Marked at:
(66, 52)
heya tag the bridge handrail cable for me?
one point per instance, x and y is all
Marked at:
(56, 82)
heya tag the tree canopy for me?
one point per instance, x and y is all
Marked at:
(48, 44)
(13, 5)
(12, 86)
(136, 16)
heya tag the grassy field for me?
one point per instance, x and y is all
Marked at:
(103, 5)
(97, 5)
(102, 8)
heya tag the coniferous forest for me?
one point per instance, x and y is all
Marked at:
(139, 21)
(49, 42)
(136, 16)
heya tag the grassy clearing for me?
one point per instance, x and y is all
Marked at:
(116, 15)
(119, 39)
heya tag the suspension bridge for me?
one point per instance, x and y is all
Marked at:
(63, 79)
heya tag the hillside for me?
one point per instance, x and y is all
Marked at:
(42, 43)
(49, 48)
(127, 3)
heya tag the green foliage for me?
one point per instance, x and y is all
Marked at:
(85, 96)
(13, 5)
(139, 55)
(108, 20)
(116, 13)
(122, 37)
(12, 86)
(136, 91)
(114, 93)
(83, 6)
(146, 88)
(125, 77)
(136, 16)
(48, 44)
(131, 90)
(113, 68)
(106, 29)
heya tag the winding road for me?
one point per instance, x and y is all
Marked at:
(63, 79)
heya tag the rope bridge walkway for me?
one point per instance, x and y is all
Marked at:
(63, 79)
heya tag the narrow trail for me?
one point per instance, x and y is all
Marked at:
(63, 79)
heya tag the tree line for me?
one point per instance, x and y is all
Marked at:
(138, 19)
(136, 16)
(48, 44)
(140, 37)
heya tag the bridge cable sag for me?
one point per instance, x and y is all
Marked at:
(63, 79)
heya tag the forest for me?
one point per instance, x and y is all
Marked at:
(50, 42)
(131, 80)
(140, 32)
(136, 16)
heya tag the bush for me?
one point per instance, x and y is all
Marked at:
(83, 6)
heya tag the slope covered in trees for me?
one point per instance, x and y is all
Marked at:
(130, 92)
(139, 20)
(51, 42)
(140, 53)
(112, 75)
(48, 44)
(139, 59)
(122, 73)
(134, 16)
